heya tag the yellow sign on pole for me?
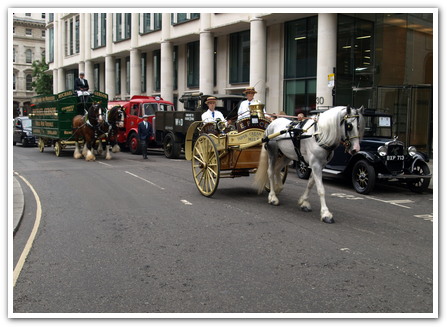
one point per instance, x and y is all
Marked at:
(331, 80)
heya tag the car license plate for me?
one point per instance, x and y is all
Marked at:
(393, 158)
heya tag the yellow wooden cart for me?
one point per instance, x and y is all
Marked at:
(216, 151)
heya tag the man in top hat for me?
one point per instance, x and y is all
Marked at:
(244, 109)
(212, 114)
(81, 84)
(144, 133)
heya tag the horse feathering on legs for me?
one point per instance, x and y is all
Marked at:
(325, 132)
(109, 129)
(84, 127)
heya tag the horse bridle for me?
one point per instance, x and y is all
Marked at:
(346, 140)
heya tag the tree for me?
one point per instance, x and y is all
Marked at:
(43, 83)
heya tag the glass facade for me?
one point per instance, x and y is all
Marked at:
(385, 62)
(240, 57)
(300, 65)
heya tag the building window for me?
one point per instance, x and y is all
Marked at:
(14, 81)
(118, 76)
(300, 65)
(29, 32)
(192, 66)
(157, 69)
(28, 14)
(98, 30)
(143, 73)
(150, 22)
(355, 67)
(183, 17)
(175, 60)
(43, 33)
(96, 75)
(240, 57)
(51, 44)
(29, 56)
(29, 82)
(72, 37)
(128, 75)
(13, 54)
(122, 27)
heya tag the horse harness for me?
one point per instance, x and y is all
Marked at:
(295, 130)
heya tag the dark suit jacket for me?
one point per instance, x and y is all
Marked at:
(78, 86)
(143, 132)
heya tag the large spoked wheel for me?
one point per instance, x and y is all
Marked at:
(419, 185)
(363, 177)
(205, 165)
(57, 148)
(282, 174)
(41, 145)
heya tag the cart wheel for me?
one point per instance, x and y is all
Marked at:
(171, 147)
(41, 145)
(205, 165)
(57, 148)
(283, 175)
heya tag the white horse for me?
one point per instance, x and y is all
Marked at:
(321, 135)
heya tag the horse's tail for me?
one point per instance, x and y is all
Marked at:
(261, 176)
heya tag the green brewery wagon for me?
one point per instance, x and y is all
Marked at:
(52, 117)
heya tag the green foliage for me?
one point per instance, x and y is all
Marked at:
(43, 82)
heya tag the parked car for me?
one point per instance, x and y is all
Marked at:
(382, 157)
(23, 132)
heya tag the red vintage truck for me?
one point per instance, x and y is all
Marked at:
(136, 108)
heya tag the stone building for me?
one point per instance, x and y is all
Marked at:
(297, 61)
(28, 46)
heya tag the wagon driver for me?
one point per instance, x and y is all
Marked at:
(212, 115)
(244, 107)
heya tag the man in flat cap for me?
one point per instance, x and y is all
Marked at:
(144, 133)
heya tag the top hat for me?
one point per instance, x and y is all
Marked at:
(250, 90)
(145, 116)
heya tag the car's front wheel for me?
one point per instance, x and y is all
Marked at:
(419, 185)
(363, 177)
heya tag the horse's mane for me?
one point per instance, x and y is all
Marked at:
(328, 129)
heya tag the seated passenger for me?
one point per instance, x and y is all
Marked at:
(212, 115)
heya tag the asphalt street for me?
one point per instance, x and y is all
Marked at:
(135, 236)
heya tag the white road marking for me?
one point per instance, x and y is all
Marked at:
(393, 202)
(187, 202)
(105, 164)
(143, 179)
(29, 243)
(428, 217)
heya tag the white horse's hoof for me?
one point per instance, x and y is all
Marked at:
(305, 208)
(328, 220)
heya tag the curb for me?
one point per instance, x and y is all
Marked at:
(18, 205)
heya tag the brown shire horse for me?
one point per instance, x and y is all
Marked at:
(84, 128)
(109, 130)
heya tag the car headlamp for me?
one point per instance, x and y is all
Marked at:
(412, 150)
(382, 150)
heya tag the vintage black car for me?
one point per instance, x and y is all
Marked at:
(22, 132)
(382, 158)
